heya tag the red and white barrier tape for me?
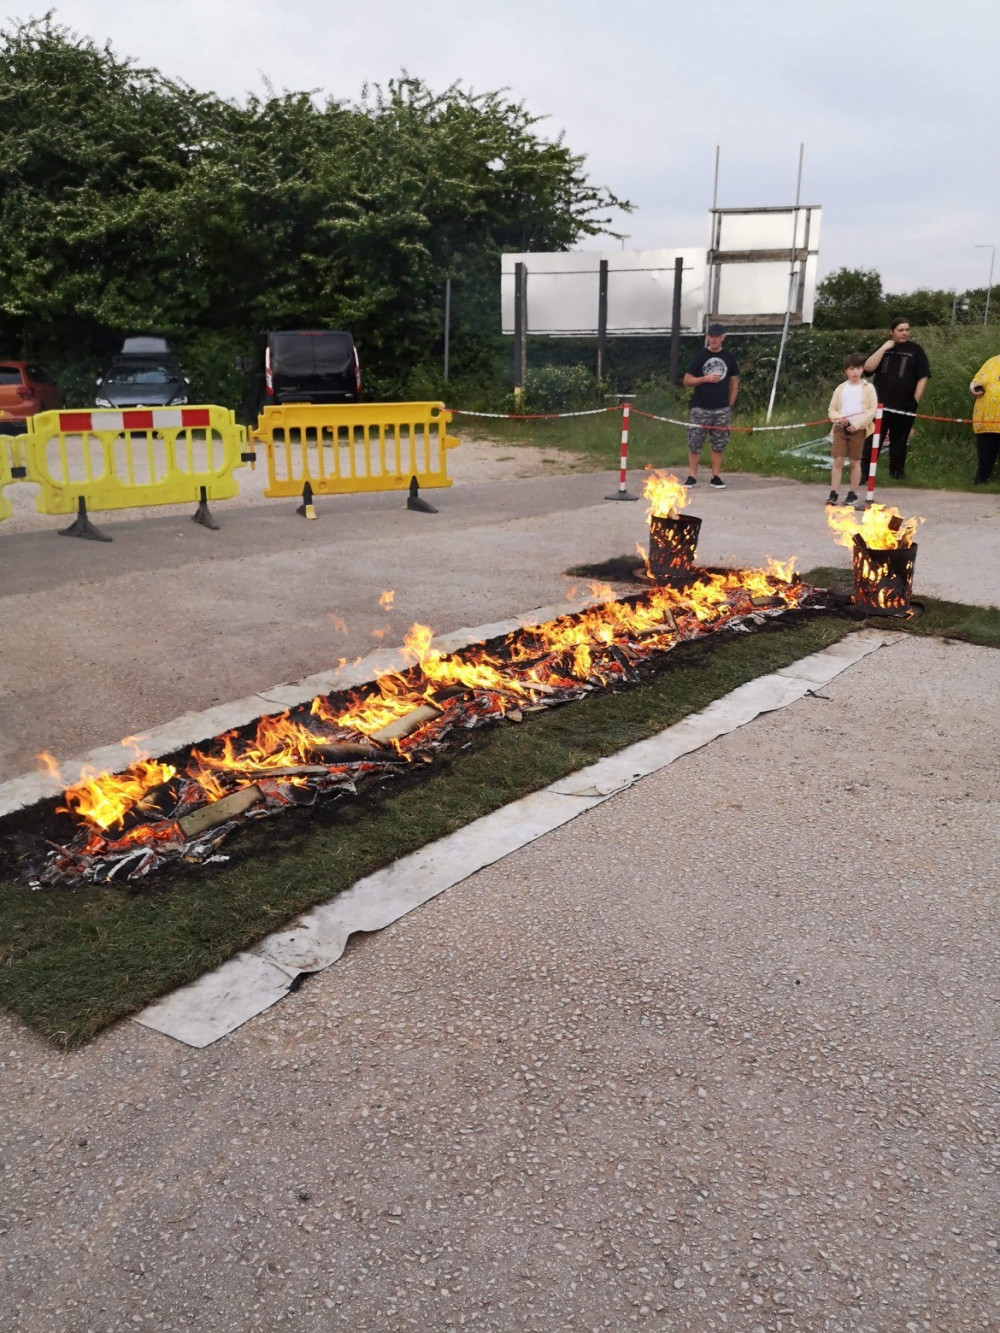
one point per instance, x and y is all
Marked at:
(677, 421)
(533, 416)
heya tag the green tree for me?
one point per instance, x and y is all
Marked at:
(132, 203)
(851, 298)
(921, 306)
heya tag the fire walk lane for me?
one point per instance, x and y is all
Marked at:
(105, 641)
(725, 1046)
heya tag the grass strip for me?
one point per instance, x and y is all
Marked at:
(71, 963)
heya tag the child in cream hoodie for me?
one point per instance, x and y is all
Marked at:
(852, 411)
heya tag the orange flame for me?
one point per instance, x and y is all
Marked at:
(782, 570)
(104, 799)
(667, 496)
(385, 599)
(50, 764)
(881, 527)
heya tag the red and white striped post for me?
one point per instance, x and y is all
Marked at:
(873, 465)
(622, 492)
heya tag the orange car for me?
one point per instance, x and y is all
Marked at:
(25, 389)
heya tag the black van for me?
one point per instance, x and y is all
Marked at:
(310, 366)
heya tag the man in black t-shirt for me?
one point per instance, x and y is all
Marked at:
(900, 371)
(715, 377)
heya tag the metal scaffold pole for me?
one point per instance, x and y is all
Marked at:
(792, 280)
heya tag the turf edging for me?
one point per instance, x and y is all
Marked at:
(72, 963)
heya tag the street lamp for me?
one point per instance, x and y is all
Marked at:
(993, 254)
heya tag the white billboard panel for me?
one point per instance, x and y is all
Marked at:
(563, 290)
(769, 229)
(750, 258)
(758, 290)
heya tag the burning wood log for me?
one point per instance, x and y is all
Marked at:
(158, 803)
(348, 752)
(289, 770)
(228, 807)
(405, 725)
(447, 692)
(668, 625)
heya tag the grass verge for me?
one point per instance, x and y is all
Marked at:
(71, 963)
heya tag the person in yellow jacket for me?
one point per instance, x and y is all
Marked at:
(852, 411)
(985, 388)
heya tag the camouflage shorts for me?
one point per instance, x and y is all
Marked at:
(700, 429)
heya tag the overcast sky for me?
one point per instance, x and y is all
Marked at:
(894, 99)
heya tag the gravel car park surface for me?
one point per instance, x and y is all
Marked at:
(720, 1054)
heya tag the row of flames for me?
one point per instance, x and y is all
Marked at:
(556, 654)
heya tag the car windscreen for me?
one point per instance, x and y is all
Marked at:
(140, 375)
(10, 375)
(310, 353)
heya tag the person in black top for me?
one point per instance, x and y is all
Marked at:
(715, 377)
(900, 371)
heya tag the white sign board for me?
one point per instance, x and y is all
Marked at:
(758, 287)
(563, 289)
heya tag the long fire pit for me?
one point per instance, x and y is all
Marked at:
(178, 811)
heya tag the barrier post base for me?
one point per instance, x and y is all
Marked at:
(203, 514)
(307, 509)
(82, 526)
(413, 500)
(621, 495)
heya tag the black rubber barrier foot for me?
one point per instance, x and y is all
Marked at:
(82, 526)
(307, 509)
(413, 500)
(203, 514)
(621, 495)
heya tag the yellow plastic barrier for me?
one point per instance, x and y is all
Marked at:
(97, 459)
(10, 466)
(339, 449)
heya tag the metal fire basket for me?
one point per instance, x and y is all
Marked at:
(672, 545)
(883, 579)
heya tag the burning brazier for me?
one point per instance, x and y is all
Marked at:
(883, 553)
(673, 536)
(883, 579)
(672, 545)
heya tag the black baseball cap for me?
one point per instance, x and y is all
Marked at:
(716, 330)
